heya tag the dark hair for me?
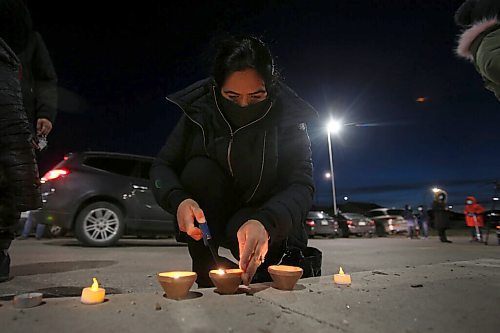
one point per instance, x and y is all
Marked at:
(15, 24)
(237, 53)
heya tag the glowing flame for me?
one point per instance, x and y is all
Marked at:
(95, 285)
(341, 271)
(220, 271)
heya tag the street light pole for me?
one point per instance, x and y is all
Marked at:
(332, 174)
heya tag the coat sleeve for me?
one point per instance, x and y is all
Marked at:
(286, 210)
(45, 79)
(167, 167)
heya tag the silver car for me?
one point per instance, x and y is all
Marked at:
(391, 219)
(101, 196)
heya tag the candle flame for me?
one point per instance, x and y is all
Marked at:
(220, 271)
(341, 271)
(95, 285)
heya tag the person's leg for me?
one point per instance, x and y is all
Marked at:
(28, 225)
(40, 230)
(473, 233)
(212, 189)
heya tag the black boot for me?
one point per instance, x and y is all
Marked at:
(4, 265)
(5, 240)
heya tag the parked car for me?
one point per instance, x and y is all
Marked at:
(359, 225)
(492, 220)
(388, 220)
(320, 223)
(102, 196)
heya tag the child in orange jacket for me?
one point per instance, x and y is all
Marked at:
(474, 215)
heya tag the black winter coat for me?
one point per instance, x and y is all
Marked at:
(279, 185)
(440, 215)
(39, 81)
(19, 182)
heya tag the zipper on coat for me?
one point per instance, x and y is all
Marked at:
(194, 121)
(233, 133)
(261, 168)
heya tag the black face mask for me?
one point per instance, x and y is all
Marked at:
(239, 116)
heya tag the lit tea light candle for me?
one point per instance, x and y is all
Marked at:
(176, 284)
(285, 277)
(94, 294)
(342, 278)
(226, 281)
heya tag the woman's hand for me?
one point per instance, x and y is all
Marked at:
(187, 211)
(43, 126)
(252, 239)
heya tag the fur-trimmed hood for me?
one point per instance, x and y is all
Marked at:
(470, 34)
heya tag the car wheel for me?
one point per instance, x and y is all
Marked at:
(99, 224)
(57, 231)
(359, 235)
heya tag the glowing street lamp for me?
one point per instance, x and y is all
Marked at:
(333, 127)
(328, 175)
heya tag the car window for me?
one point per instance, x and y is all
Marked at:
(120, 166)
(375, 213)
(317, 215)
(353, 216)
(395, 212)
(145, 168)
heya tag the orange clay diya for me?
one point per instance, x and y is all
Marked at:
(176, 284)
(285, 277)
(226, 281)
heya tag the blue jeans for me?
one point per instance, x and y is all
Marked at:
(28, 225)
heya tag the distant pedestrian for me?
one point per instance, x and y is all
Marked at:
(441, 217)
(423, 221)
(474, 218)
(411, 222)
(480, 41)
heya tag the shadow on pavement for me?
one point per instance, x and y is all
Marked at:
(62, 291)
(121, 243)
(58, 267)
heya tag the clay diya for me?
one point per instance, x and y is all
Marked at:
(226, 281)
(176, 284)
(285, 277)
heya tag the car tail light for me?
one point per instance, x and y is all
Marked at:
(349, 222)
(310, 223)
(54, 174)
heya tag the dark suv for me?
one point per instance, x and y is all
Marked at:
(101, 196)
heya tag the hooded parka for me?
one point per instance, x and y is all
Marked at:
(480, 40)
(473, 210)
(269, 159)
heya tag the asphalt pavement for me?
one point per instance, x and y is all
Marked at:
(399, 285)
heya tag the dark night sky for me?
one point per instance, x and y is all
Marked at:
(363, 61)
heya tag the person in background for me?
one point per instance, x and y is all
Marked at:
(19, 182)
(38, 79)
(474, 218)
(239, 160)
(441, 217)
(410, 222)
(423, 221)
(480, 40)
